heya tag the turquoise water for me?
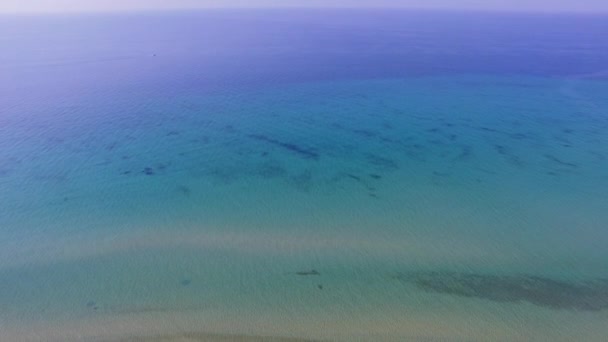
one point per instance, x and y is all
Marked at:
(156, 195)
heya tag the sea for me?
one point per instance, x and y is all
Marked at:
(303, 175)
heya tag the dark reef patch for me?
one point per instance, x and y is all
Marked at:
(541, 291)
(500, 149)
(303, 181)
(518, 136)
(148, 171)
(382, 162)
(466, 152)
(271, 170)
(92, 305)
(308, 273)
(357, 178)
(365, 133)
(307, 153)
(510, 157)
(559, 161)
(488, 129)
(229, 129)
(184, 190)
(598, 155)
(111, 146)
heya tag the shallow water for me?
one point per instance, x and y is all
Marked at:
(233, 174)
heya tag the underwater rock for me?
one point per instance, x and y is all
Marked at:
(488, 129)
(365, 133)
(382, 162)
(466, 152)
(148, 171)
(598, 155)
(271, 170)
(500, 149)
(92, 305)
(541, 291)
(518, 136)
(357, 178)
(559, 161)
(509, 157)
(185, 282)
(184, 190)
(375, 176)
(229, 129)
(303, 181)
(307, 153)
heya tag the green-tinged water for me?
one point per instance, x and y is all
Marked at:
(440, 207)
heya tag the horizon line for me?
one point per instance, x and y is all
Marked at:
(303, 7)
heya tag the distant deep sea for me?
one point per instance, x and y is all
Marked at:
(341, 175)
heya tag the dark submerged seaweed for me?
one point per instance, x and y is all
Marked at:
(541, 291)
(302, 151)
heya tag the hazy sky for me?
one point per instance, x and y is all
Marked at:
(119, 5)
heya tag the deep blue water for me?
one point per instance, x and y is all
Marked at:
(319, 174)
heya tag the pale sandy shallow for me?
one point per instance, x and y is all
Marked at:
(431, 251)
(49, 251)
(476, 322)
(201, 337)
(420, 317)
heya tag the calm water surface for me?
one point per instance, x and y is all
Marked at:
(317, 175)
